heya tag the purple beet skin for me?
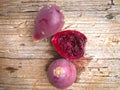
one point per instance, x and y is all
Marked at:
(49, 21)
(62, 73)
(70, 44)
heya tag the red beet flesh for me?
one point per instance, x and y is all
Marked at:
(62, 73)
(49, 21)
(69, 44)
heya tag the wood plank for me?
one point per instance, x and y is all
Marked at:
(105, 75)
(23, 63)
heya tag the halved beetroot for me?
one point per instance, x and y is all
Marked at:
(69, 44)
(48, 22)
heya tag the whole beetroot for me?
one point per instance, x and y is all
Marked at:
(69, 44)
(49, 21)
(62, 73)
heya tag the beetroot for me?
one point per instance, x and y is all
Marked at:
(69, 44)
(49, 21)
(62, 73)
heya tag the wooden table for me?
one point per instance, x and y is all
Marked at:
(23, 62)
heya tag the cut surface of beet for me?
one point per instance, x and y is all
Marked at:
(69, 44)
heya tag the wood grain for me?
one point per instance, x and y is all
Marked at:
(23, 62)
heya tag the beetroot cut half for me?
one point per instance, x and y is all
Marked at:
(69, 44)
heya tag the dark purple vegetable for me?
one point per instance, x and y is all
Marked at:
(48, 22)
(69, 44)
(62, 73)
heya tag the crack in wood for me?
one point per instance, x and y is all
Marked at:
(2, 14)
(11, 69)
(110, 6)
(30, 11)
(73, 23)
(109, 16)
(112, 3)
(105, 9)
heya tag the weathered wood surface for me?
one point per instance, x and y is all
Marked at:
(23, 62)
